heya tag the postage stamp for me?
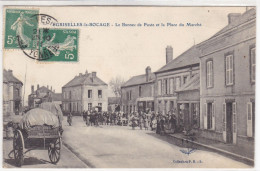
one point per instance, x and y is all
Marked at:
(58, 44)
(20, 23)
(22, 31)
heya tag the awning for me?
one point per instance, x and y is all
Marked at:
(145, 99)
(191, 84)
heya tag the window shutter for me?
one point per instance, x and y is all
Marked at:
(231, 69)
(208, 63)
(213, 116)
(234, 109)
(174, 84)
(205, 116)
(224, 122)
(159, 88)
(168, 86)
(227, 69)
(249, 120)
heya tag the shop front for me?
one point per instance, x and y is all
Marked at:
(145, 104)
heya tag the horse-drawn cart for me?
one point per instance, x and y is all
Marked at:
(38, 137)
(39, 129)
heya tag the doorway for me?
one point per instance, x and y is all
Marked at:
(17, 107)
(187, 119)
(229, 119)
(209, 116)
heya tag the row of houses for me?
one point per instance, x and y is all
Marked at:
(43, 94)
(210, 86)
(13, 96)
(84, 92)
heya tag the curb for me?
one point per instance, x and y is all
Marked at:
(237, 157)
(78, 155)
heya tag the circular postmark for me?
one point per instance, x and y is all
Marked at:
(37, 49)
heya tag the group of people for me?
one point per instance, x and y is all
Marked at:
(156, 121)
(143, 120)
(95, 118)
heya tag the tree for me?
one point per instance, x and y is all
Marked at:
(115, 84)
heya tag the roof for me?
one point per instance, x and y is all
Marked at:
(43, 89)
(139, 79)
(191, 84)
(246, 16)
(113, 100)
(9, 77)
(85, 79)
(189, 57)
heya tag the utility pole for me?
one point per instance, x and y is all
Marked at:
(24, 83)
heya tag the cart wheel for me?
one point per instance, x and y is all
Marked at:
(18, 147)
(54, 150)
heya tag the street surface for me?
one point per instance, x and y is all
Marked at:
(118, 147)
(122, 147)
(40, 159)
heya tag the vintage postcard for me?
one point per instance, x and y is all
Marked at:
(129, 87)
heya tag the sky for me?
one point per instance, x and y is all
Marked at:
(119, 51)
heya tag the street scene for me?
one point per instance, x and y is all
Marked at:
(195, 109)
(119, 147)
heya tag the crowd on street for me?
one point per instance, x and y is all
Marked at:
(141, 120)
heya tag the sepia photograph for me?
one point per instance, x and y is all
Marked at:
(129, 87)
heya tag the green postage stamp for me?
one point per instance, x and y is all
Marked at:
(19, 27)
(45, 44)
(58, 44)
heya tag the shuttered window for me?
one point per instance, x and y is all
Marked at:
(252, 60)
(209, 74)
(229, 70)
(159, 87)
(171, 86)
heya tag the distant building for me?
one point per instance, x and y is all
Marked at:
(84, 92)
(228, 81)
(177, 87)
(12, 94)
(114, 104)
(43, 94)
(138, 93)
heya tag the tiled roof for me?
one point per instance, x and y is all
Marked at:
(86, 79)
(9, 77)
(139, 79)
(189, 57)
(191, 84)
(43, 89)
(246, 16)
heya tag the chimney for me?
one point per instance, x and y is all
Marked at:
(232, 17)
(169, 54)
(94, 74)
(32, 88)
(148, 73)
(38, 86)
